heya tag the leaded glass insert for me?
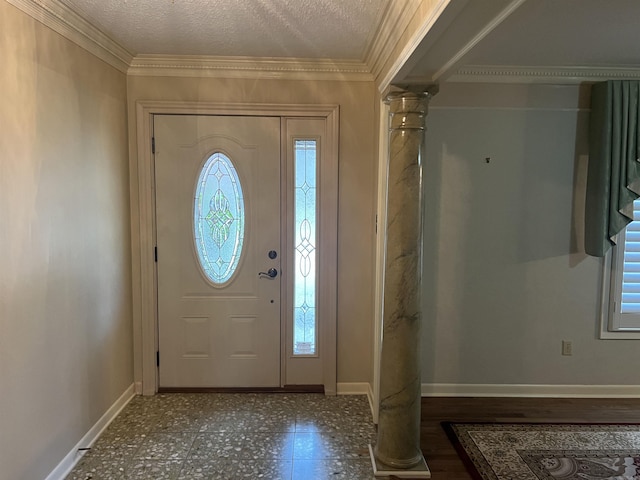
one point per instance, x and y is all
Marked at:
(218, 218)
(304, 288)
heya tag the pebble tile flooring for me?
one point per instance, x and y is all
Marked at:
(234, 436)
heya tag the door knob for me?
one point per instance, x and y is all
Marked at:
(271, 273)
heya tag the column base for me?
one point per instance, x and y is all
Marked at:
(381, 470)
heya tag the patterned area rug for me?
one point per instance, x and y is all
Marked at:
(495, 451)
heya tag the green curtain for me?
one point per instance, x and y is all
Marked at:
(613, 176)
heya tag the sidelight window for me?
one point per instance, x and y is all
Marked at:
(305, 242)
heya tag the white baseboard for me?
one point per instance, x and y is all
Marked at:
(515, 390)
(74, 456)
(360, 388)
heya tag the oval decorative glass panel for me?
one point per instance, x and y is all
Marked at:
(218, 218)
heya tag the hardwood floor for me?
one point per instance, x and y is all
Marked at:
(441, 455)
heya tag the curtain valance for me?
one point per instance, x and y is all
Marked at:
(613, 178)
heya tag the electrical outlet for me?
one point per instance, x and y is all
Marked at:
(567, 348)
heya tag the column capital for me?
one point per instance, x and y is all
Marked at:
(407, 89)
(408, 108)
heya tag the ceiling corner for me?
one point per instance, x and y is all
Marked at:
(403, 29)
(74, 28)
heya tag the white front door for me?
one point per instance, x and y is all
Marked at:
(218, 226)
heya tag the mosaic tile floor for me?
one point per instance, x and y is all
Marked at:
(234, 436)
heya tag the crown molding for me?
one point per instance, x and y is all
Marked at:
(73, 27)
(541, 74)
(486, 30)
(395, 19)
(249, 67)
(395, 24)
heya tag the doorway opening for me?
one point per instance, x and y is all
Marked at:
(305, 358)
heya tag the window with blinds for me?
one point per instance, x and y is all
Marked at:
(631, 264)
(625, 287)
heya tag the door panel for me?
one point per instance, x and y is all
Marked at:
(218, 334)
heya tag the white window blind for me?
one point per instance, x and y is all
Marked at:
(631, 264)
(625, 278)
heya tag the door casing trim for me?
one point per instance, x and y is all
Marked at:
(142, 195)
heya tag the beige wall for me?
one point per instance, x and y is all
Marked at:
(506, 278)
(65, 309)
(357, 172)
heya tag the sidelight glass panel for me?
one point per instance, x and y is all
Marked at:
(218, 218)
(304, 289)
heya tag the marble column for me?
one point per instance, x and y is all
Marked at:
(397, 450)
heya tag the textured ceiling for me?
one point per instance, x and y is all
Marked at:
(485, 38)
(335, 29)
